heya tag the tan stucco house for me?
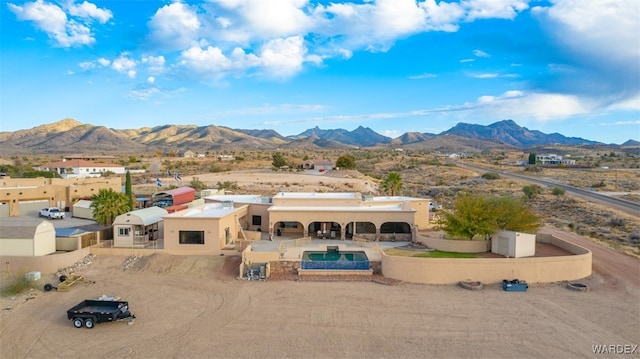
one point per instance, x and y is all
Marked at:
(225, 219)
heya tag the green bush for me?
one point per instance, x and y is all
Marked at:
(16, 284)
(490, 176)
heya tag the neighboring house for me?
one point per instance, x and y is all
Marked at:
(189, 154)
(137, 228)
(319, 165)
(78, 168)
(553, 159)
(323, 165)
(26, 237)
(26, 196)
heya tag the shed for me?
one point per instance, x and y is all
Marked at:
(181, 195)
(137, 227)
(26, 238)
(82, 209)
(514, 244)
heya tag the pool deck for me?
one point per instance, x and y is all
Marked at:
(295, 253)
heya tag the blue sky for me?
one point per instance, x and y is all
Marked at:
(566, 66)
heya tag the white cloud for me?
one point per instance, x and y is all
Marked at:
(534, 106)
(125, 65)
(275, 18)
(210, 60)
(104, 62)
(174, 26)
(51, 19)
(493, 9)
(89, 11)
(601, 41)
(151, 80)
(283, 58)
(484, 76)
(480, 53)
(155, 64)
(422, 76)
(87, 65)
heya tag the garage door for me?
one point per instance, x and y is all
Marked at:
(31, 208)
(4, 209)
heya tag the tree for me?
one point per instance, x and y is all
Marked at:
(346, 161)
(278, 160)
(127, 190)
(512, 214)
(197, 184)
(392, 183)
(107, 205)
(479, 215)
(468, 219)
(532, 158)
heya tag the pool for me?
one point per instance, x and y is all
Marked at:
(333, 258)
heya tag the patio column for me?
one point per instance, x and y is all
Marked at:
(343, 230)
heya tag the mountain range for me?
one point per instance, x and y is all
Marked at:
(69, 135)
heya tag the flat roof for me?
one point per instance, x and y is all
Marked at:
(395, 198)
(312, 195)
(384, 208)
(240, 198)
(208, 210)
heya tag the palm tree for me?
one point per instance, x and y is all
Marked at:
(108, 204)
(392, 183)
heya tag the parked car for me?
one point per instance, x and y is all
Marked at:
(52, 213)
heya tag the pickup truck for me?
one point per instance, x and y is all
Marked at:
(90, 311)
(52, 213)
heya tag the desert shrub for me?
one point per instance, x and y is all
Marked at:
(16, 284)
(490, 176)
(616, 222)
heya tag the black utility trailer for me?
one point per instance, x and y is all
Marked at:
(89, 312)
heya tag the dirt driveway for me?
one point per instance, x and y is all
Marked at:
(193, 307)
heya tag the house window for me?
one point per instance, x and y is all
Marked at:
(123, 231)
(191, 237)
(256, 220)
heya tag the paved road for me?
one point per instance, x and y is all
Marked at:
(622, 204)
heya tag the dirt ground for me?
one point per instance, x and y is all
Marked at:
(195, 307)
(267, 182)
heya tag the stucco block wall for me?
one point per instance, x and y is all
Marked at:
(45, 264)
(491, 270)
(460, 246)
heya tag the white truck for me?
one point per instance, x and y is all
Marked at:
(52, 213)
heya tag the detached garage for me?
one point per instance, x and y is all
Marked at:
(26, 238)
